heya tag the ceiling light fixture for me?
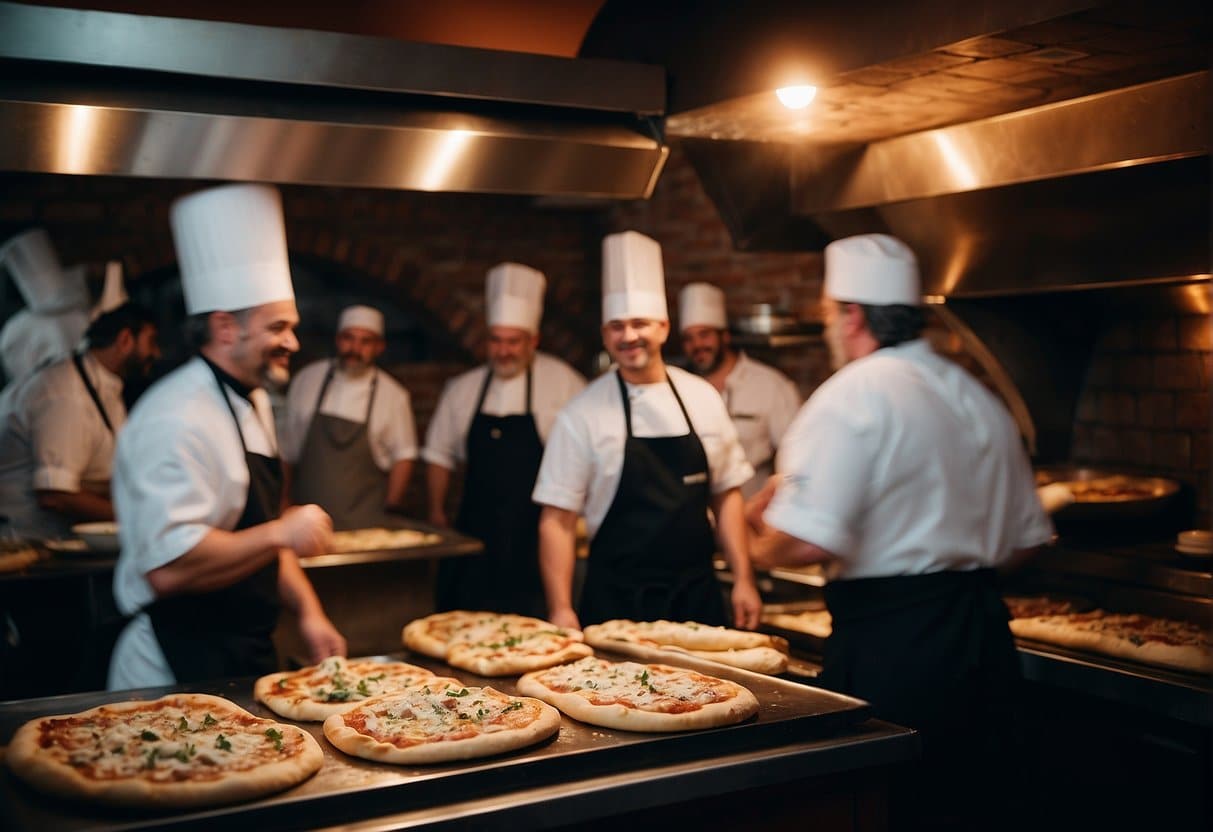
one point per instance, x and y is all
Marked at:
(796, 97)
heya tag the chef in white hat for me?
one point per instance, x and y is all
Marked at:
(349, 437)
(644, 453)
(59, 423)
(56, 312)
(908, 479)
(493, 421)
(761, 400)
(207, 560)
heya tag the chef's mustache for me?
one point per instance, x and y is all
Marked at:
(349, 356)
(639, 342)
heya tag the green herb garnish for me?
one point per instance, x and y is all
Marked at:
(208, 721)
(222, 744)
(462, 692)
(149, 736)
(275, 735)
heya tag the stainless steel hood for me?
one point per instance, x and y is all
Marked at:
(85, 92)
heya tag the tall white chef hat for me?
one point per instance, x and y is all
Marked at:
(113, 293)
(362, 317)
(633, 280)
(874, 269)
(43, 282)
(231, 247)
(701, 304)
(514, 296)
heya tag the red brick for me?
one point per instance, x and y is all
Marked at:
(1117, 408)
(1158, 334)
(1202, 452)
(1196, 333)
(1088, 408)
(1192, 411)
(1171, 450)
(1178, 372)
(1156, 410)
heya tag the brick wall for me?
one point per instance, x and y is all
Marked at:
(1145, 403)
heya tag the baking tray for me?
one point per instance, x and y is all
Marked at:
(347, 789)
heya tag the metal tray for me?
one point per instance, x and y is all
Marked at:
(348, 789)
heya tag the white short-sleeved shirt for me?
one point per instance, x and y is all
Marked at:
(179, 471)
(762, 403)
(391, 432)
(553, 384)
(583, 458)
(53, 438)
(902, 464)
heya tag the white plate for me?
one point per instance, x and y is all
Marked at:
(68, 546)
(99, 536)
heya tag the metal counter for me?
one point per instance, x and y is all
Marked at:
(584, 772)
(86, 563)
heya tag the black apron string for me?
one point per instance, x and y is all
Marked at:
(92, 392)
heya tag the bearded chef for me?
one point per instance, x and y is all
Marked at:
(494, 420)
(207, 560)
(761, 400)
(58, 426)
(644, 452)
(349, 435)
(56, 312)
(908, 479)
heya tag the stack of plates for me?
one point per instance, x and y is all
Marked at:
(1197, 543)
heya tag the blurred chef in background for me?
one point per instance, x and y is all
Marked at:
(207, 560)
(644, 452)
(349, 438)
(56, 312)
(494, 420)
(908, 479)
(761, 400)
(58, 427)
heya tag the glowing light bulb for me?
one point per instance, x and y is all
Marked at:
(796, 97)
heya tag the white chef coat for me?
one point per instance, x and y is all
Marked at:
(762, 403)
(902, 464)
(52, 438)
(583, 458)
(179, 471)
(391, 432)
(553, 384)
(30, 340)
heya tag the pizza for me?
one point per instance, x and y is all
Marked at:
(1032, 606)
(16, 555)
(183, 750)
(336, 684)
(437, 723)
(505, 647)
(1181, 645)
(640, 697)
(432, 634)
(368, 540)
(758, 652)
(817, 623)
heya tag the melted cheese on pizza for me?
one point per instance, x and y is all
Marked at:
(425, 714)
(495, 638)
(338, 680)
(656, 688)
(165, 742)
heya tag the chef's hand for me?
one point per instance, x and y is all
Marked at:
(757, 504)
(321, 637)
(308, 530)
(566, 618)
(747, 606)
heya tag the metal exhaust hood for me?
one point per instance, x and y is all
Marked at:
(99, 93)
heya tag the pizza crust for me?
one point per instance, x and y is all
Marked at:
(1063, 631)
(43, 768)
(737, 703)
(688, 634)
(757, 659)
(296, 694)
(534, 721)
(510, 663)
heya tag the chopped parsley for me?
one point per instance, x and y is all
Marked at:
(275, 735)
(481, 713)
(363, 689)
(462, 692)
(513, 706)
(184, 754)
(148, 736)
(151, 758)
(222, 744)
(117, 749)
(375, 678)
(183, 725)
(282, 683)
(209, 721)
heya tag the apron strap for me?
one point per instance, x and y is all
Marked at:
(484, 391)
(92, 392)
(228, 402)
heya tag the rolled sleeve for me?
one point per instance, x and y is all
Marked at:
(61, 446)
(566, 469)
(400, 433)
(48, 478)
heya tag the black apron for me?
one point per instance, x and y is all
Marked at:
(336, 469)
(228, 632)
(503, 456)
(92, 392)
(933, 652)
(652, 555)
